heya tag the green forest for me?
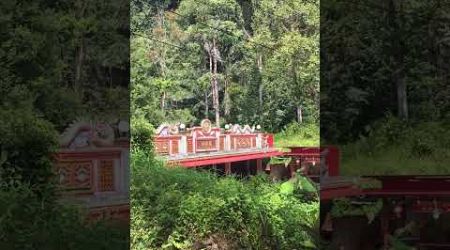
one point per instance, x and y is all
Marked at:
(382, 68)
(60, 61)
(231, 61)
(240, 62)
(385, 85)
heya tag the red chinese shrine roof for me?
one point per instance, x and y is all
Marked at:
(423, 186)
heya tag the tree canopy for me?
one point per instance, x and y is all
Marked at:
(380, 58)
(385, 85)
(231, 61)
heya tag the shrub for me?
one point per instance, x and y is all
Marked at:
(141, 134)
(428, 140)
(176, 208)
(393, 146)
(298, 134)
(26, 145)
(31, 221)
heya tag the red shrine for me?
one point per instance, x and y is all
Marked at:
(422, 201)
(93, 170)
(233, 149)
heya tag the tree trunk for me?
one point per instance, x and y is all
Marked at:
(80, 52)
(206, 105)
(296, 85)
(402, 99)
(299, 114)
(163, 100)
(211, 80)
(215, 88)
(110, 77)
(227, 101)
(398, 76)
(162, 57)
(79, 65)
(260, 89)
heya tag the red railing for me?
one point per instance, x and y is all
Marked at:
(325, 157)
(197, 140)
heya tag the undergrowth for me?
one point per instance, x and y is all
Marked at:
(395, 147)
(176, 208)
(296, 135)
(38, 221)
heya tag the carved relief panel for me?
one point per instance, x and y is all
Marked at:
(206, 144)
(106, 175)
(162, 147)
(75, 176)
(243, 142)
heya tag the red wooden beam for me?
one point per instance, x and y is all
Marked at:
(220, 159)
(401, 186)
(305, 150)
(333, 160)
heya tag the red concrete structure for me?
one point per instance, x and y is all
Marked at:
(234, 147)
(422, 200)
(206, 146)
(93, 170)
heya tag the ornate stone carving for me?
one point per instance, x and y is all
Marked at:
(166, 130)
(206, 138)
(81, 134)
(246, 129)
(206, 126)
(162, 147)
(243, 143)
(75, 175)
(83, 174)
(206, 144)
(106, 180)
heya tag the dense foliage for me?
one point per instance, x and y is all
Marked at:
(296, 134)
(247, 62)
(398, 147)
(58, 60)
(250, 62)
(175, 208)
(385, 84)
(34, 222)
(343, 207)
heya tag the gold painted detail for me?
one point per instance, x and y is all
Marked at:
(206, 144)
(206, 126)
(106, 176)
(162, 147)
(75, 175)
(243, 143)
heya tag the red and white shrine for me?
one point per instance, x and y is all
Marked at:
(232, 149)
(92, 166)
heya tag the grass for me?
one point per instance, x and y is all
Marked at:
(392, 148)
(392, 162)
(396, 148)
(298, 135)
